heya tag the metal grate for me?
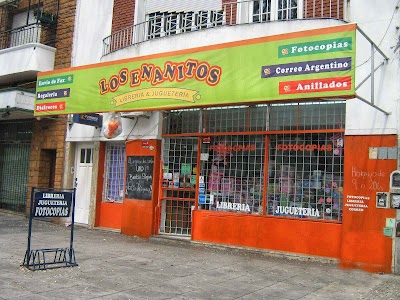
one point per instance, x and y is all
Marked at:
(179, 181)
(14, 171)
(305, 170)
(162, 24)
(307, 116)
(114, 173)
(176, 217)
(15, 144)
(226, 119)
(182, 121)
(288, 116)
(232, 173)
(305, 176)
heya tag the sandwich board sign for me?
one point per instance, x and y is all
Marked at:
(51, 203)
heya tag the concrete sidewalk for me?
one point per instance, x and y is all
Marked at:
(114, 266)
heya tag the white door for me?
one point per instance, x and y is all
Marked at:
(83, 182)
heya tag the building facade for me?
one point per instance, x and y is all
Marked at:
(35, 36)
(263, 124)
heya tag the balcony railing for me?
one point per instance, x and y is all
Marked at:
(160, 25)
(32, 33)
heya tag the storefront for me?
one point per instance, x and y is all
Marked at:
(253, 153)
(275, 160)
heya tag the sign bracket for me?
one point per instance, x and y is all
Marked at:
(371, 75)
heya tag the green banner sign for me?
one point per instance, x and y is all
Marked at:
(301, 65)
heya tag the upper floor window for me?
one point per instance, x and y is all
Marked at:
(269, 10)
(169, 23)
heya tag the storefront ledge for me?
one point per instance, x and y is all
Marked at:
(179, 240)
(107, 229)
(171, 237)
(270, 253)
(9, 212)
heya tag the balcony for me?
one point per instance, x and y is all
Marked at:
(159, 25)
(16, 104)
(30, 49)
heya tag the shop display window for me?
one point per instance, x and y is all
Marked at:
(305, 176)
(114, 172)
(280, 160)
(231, 177)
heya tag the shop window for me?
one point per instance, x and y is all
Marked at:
(226, 119)
(232, 174)
(304, 160)
(307, 116)
(182, 121)
(114, 172)
(305, 176)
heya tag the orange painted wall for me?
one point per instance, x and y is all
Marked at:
(272, 233)
(363, 244)
(110, 215)
(138, 216)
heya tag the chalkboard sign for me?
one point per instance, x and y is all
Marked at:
(139, 177)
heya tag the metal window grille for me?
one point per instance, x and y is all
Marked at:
(217, 18)
(167, 23)
(176, 217)
(224, 119)
(305, 171)
(15, 143)
(202, 19)
(180, 169)
(232, 168)
(307, 116)
(155, 25)
(305, 176)
(232, 13)
(182, 121)
(171, 24)
(288, 116)
(114, 172)
(186, 21)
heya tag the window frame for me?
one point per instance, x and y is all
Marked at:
(109, 194)
(274, 10)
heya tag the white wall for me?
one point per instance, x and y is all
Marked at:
(219, 35)
(132, 129)
(378, 19)
(92, 24)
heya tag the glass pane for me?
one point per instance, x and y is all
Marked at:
(89, 156)
(233, 172)
(114, 172)
(305, 176)
(83, 155)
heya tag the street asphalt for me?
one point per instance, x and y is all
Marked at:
(116, 266)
